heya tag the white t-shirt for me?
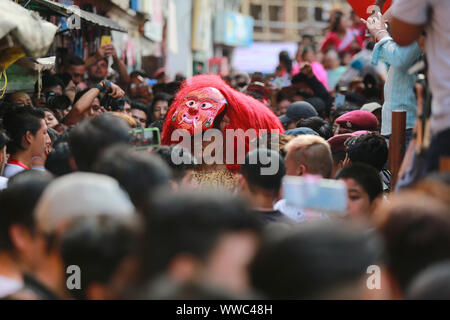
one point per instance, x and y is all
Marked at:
(11, 170)
(3, 183)
(435, 15)
(292, 212)
(9, 286)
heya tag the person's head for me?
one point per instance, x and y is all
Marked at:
(308, 154)
(209, 240)
(297, 111)
(3, 141)
(283, 103)
(139, 112)
(341, 22)
(75, 66)
(19, 98)
(88, 140)
(182, 174)
(319, 125)
(285, 61)
(338, 151)
(431, 284)
(160, 106)
(416, 230)
(98, 71)
(364, 189)
(356, 121)
(262, 173)
(331, 60)
(50, 83)
(50, 119)
(139, 89)
(140, 174)
(26, 129)
(18, 232)
(309, 54)
(58, 161)
(369, 148)
(318, 261)
(102, 247)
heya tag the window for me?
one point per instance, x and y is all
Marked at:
(302, 14)
(256, 13)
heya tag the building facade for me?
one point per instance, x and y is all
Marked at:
(287, 20)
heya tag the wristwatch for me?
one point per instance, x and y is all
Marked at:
(104, 86)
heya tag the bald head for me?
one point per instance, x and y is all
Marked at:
(308, 154)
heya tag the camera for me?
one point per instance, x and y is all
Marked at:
(57, 102)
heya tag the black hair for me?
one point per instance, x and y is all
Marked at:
(337, 22)
(92, 136)
(355, 99)
(73, 60)
(431, 284)
(17, 121)
(58, 161)
(17, 203)
(162, 96)
(285, 60)
(369, 148)
(65, 78)
(190, 223)
(135, 104)
(252, 170)
(49, 81)
(166, 153)
(315, 262)
(417, 235)
(3, 139)
(140, 174)
(282, 96)
(53, 134)
(98, 246)
(322, 127)
(366, 176)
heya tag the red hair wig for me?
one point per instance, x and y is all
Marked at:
(244, 111)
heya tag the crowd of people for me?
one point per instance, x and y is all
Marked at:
(85, 214)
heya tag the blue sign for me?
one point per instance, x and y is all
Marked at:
(233, 29)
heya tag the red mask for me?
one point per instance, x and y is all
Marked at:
(199, 110)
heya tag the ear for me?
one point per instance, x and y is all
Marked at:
(301, 170)
(28, 138)
(376, 203)
(19, 236)
(183, 268)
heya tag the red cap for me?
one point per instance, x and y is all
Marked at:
(358, 120)
(337, 142)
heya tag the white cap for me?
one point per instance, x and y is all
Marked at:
(80, 195)
(371, 107)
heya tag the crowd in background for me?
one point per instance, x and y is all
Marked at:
(75, 192)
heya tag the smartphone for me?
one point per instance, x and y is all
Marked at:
(143, 139)
(105, 40)
(316, 194)
(339, 100)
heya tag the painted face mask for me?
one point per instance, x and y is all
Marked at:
(199, 110)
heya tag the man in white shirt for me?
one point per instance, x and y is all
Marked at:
(28, 135)
(306, 155)
(410, 18)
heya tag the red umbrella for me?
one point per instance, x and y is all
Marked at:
(361, 7)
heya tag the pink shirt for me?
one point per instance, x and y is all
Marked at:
(318, 70)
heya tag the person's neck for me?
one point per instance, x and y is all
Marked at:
(9, 267)
(50, 273)
(261, 202)
(23, 156)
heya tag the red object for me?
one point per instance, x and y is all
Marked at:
(361, 6)
(243, 111)
(18, 163)
(358, 120)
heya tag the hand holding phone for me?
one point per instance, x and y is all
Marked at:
(143, 139)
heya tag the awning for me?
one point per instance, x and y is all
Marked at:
(48, 6)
